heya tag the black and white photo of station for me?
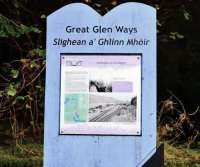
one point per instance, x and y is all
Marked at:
(112, 107)
(100, 86)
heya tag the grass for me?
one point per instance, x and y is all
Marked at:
(31, 155)
(181, 156)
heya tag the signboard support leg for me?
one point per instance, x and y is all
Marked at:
(157, 160)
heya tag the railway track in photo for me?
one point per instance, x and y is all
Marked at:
(101, 115)
(107, 114)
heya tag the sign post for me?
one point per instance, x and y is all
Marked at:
(100, 100)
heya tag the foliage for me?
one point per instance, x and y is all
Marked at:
(22, 48)
(25, 156)
(177, 125)
(8, 28)
(22, 80)
(30, 155)
(22, 100)
(180, 156)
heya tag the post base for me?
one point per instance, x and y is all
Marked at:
(157, 160)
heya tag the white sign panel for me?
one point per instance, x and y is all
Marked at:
(100, 94)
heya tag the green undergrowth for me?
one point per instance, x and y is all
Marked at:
(181, 156)
(31, 155)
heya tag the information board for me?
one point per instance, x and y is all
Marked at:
(100, 94)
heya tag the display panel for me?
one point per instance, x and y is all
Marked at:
(101, 94)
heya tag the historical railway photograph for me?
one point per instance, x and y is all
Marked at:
(112, 108)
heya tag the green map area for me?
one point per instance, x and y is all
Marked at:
(76, 108)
